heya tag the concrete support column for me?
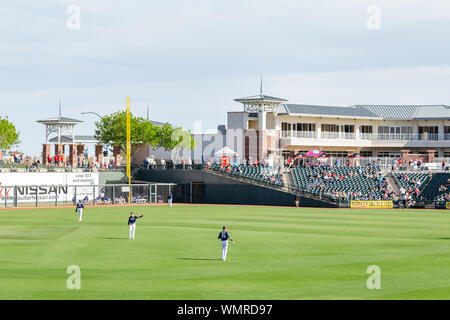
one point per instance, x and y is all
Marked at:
(73, 155)
(431, 155)
(117, 155)
(80, 154)
(262, 119)
(351, 160)
(46, 151)
(405, 156)
(99, 153)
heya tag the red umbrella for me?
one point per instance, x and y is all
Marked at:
(314, 153)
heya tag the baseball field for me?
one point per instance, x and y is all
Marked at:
(279, 253)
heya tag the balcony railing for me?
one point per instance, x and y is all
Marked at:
(395, 136)
(410, 136)
(366, 136)
(305, 134)
(338, 135)
(299, 134)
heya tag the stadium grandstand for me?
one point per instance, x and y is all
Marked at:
(398, 153)
(273, 152)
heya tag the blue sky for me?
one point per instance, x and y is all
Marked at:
(188, 60)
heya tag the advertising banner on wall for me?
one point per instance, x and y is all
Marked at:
(372, 204)
(46, 185)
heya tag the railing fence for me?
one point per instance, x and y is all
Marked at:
(63, 195)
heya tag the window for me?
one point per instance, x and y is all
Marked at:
(330, 128)
(389, 154)
(428, 129)
(394, 133)
(285, 126)
(306, 127)
(285, 130)
(365, 129)
(383, 129)
(365, 132)
(428, 133)
(365, 153)
(338, 154)
(286, 154)
(330, 131)
(305, 130)
(348, 128)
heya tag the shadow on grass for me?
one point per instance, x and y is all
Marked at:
(199, 259)
(124, 238)
(443, 238)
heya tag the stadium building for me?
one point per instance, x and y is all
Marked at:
(369, 130)
(271, 129)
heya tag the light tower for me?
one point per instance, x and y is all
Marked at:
(261, 102)
(268, 133)
(64, 128)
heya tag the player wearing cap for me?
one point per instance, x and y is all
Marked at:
(224, 236)
(170, 198)
(132, 225)
(79, 208)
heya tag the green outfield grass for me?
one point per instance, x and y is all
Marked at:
(280, 253)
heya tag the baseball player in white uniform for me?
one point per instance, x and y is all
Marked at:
(224, 236)
(79, 208)
(170, 198)
(132, 225)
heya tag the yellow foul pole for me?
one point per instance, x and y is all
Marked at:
(129, 146)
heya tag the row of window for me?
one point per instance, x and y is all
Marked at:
(388, 130)
(343, 154)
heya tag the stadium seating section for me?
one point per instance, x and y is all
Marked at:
(354, 179)
(411, 180)
(264, 174)
(432, 189)
(355, 182)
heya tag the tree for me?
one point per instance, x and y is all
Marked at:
(9, 136)
(169, 138)
(112, 130)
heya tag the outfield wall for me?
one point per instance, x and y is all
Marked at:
(47, 185)
(199, 186)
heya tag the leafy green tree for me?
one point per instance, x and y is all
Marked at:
(170, 138)
(9, 136)
(112, 130)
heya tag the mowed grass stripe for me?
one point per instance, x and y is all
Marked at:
(280, 253)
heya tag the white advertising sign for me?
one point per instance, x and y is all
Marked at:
(47, 185)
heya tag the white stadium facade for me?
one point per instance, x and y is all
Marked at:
(270, 129)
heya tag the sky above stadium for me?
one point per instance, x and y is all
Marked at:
(188, 60)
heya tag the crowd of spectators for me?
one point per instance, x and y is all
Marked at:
(151, 163)
(326, 179)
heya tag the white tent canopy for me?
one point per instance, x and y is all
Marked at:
(225, 151)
